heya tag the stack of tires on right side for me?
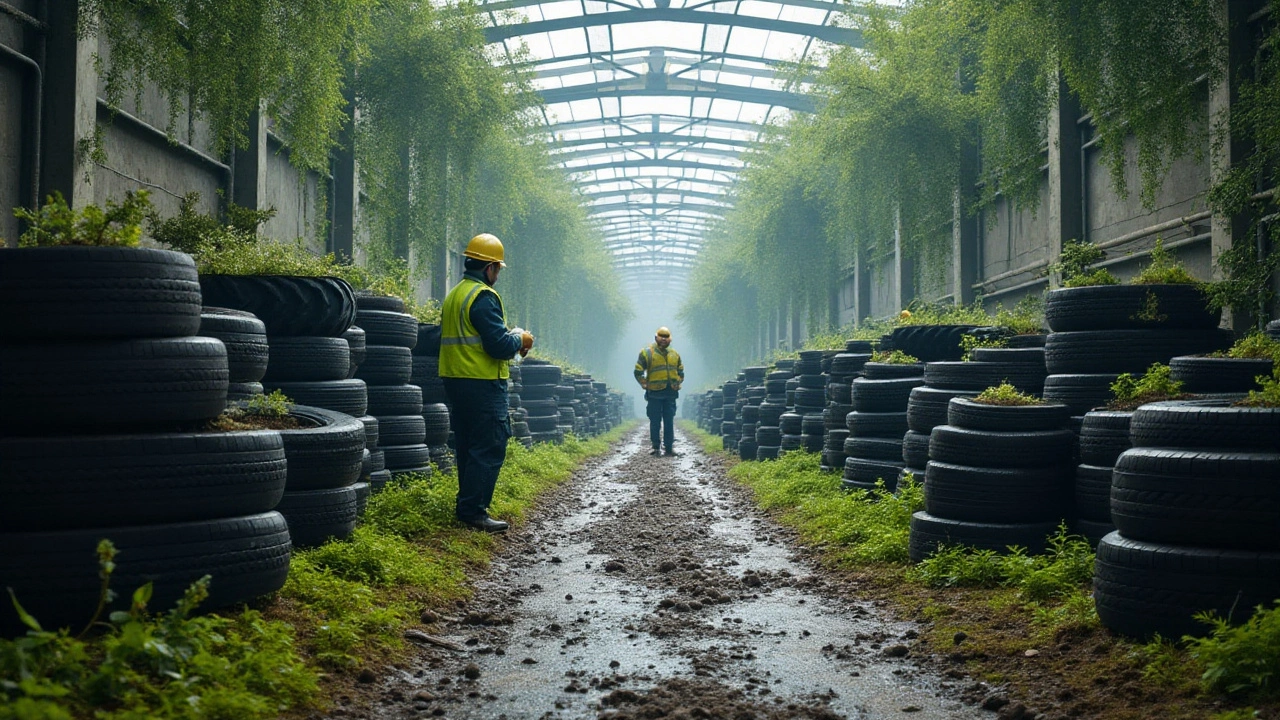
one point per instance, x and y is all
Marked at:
(538, 381)
(1196, 506)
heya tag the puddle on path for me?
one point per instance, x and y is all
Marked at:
(581, 593)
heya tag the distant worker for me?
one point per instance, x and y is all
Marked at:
(660, 372)
(475, 348)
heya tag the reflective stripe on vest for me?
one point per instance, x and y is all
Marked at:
(462, 352)
(660, 375)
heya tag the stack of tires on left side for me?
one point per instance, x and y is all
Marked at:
(1196, 506)
(878, 423)
(103, 385)
(390, 336)
(308, 320)
(997, 476)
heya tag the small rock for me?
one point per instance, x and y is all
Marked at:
(568, 597)
(614, 566)
(994, 701)
(366, 676)
(424, 696)
(959, 637)
(666, 566)
(911, 708)
(1031, 653)
(896, 651)
(556, 559)
(529, 661)
(471, 671)
(427, 617)
(1016, 711)
(751, 581)
(614, 663)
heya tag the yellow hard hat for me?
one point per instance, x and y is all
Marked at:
(485, 247)
(663, 332)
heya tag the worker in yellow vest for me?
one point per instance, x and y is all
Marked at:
(660, 372)
(475, 348)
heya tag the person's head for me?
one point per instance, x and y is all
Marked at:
(662, 337)
(484, 254)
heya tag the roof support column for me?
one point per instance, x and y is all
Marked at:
(1066, 177)
(903, 267)
(70, 106)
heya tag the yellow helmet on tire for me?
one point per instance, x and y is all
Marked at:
(487, 248)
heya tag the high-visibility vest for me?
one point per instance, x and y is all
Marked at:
(661, 370)
(461, 353)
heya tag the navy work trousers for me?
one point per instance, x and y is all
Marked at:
(662, 417)
(481, 428)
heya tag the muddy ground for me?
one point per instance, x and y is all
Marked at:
(651, 587)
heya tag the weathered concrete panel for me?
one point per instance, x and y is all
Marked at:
(11, 111)
(1014, 238)
(137, 160)
(884, 293)
(298, 203)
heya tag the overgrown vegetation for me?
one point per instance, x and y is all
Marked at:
(1063, 570)
(1006, 394)
(56, 224)
(894, 357)
(1154, 385)
(1268, 395)
(1164, 269)
(1254, 346)
(345, 603)
(1075, 265)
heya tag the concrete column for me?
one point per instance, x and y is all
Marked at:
(69, 109)
(1066, 182)
(903, 268)
(249, 176)
(346, 190)
(797, 325)
(964, 227)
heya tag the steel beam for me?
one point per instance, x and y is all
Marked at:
(655, 191)
(501, 5)
(659, 162)
(639, 207)
(830, 33)
(649, 118)
(673, 149)
(665, 138)
(680, 87)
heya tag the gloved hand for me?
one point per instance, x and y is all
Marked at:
(526, 342)
(644, 384)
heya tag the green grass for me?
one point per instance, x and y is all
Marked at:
(344, 605)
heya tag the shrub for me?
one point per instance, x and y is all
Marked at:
(1006, 394)
(1256, 346)
(1165, 269)
(1026, 318)
(969, 343)
(893, 357)
(56, 224)
(1154, 385)
(1269, 394)
(1074, 266)
(1058, 573)
(1240, 658)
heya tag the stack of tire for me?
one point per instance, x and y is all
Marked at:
(564, 406)
(604, 415)
(582, 395)
(810, 399)
(1099, 332)
(768, 428)
(998, 476)
(877, 424)
(845, 367)
(1196, 504)
(1104, 435)
(1203, 375)
(724, 413)
(715, 415)
(515, 399)
(539, 380)
(309, 361)
(101, 375)
(245, 338)
(747, 409)
(390, 336)
(426, 375)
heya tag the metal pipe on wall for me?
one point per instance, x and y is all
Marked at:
(31, 164)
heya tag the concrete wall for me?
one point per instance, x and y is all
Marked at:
(20, 48)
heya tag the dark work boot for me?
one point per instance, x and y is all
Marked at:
(655, 452)
(485, 523)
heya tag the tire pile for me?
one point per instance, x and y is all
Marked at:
(539, 382)
(310, 360)
(997, 476)
(810, 399)
(245, 338)
(435, 402)
(1104, 435)
(566, 395)
(1196, 505)
(878, 423)
(1099, 332)
(844, 369)
(100, 371)
(746, 408)
(769, 415)
(391, 334)
(519, 416)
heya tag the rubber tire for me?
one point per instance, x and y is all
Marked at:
(791, 423)
(1121, 351)
(378, 481)
(915, 449)
(1092, 530)
(76, 294)
(930, 343)
(388, 328)
(237, 392)
(1093, 492)
(83, 481)
(1117, 307)
(863, 472)
(986, 448)
(326, 456)
(1212, 424)
(402, 429)
(1219, 375)
(965, 413)
(1080, 392)
(929, 531)
(429, 340)
(356, 344)
(888, 371)
(289, 306)
(541, 408)
(979, 376)
(363, 490)
(768, 436)
(883, 395)
(1029, 355)
(1221, 499)
(887, 425)
(386, 365)
(154, 383)
(874, 448)
(997, 495)
(401, 457)
(927, 407)
(318, 516)
(372, 430)
(767, 452)
(308, 359)
(1104, 434)
(54, 574)
(534, 374)
(245, 338)
(1142, 588)
(344, 396)
(366, 300)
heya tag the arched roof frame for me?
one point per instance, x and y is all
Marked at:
(654, 133)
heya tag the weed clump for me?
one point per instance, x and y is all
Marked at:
(894, 357)
(1269, 394)
(1006, 394)
(1074, 266)
(1155, 385)
(1165, 269)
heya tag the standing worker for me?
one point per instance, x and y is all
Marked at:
(475, 347)
(660, 372)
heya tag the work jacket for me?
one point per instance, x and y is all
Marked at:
(475, 344)
(662, 369)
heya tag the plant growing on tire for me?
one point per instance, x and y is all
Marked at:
(56, 224)
(893, 357)
(1006, 394)
(1075, 265)
(1155, 385)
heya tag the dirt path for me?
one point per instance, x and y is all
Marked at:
(649, 587)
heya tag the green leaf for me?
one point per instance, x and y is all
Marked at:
(23, 615)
